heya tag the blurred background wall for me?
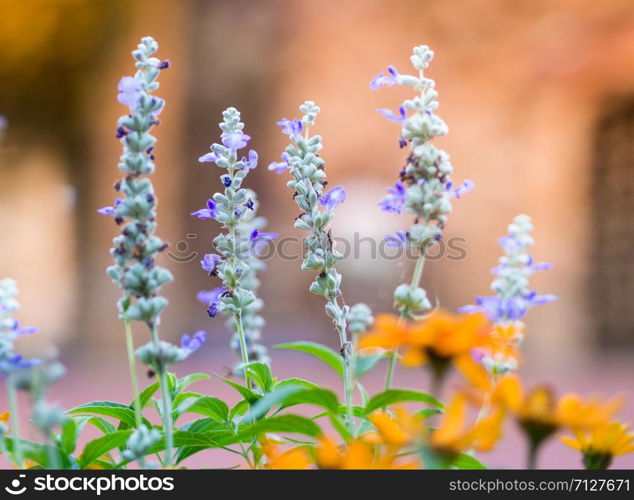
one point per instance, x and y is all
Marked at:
(537, 94)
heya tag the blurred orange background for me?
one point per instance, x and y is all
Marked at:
(538, 96)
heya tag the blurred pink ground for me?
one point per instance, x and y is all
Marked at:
(97, 380)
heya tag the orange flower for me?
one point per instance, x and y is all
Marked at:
(295, 458)
(602, 443)
(357, 454)
(454, 435)
(396, 431)
(439, 340)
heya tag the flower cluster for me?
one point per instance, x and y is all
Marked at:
(236, 262)
(135, 249)
(301, 158)
(512, 298)
(10, 329)
(424, 188)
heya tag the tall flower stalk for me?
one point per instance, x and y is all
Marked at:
(424, 188)
(236, 262)
(10, 362)
(134, 250)
(301, 158)
(513, 298)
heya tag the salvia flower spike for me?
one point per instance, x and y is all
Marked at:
(424, 188)
(317, 204)
(135, 249)
(236, 261)
(513, 298)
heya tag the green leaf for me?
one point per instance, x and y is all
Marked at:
(97, 448)
(207, 426)
(428, 412)
(39, 453)
(299, 382)
(261, 375)
(293, 424)
(391, 396)
(245, 392)
(363, 364)
(268, 401)
(71, 428)
(211, 407)
(188, 380)
(146, 394)
(465, 461)
(318, 397)
(121, 412)
(102, 424)
(325, 354)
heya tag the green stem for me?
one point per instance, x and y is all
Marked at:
(166, 413)
(244, 353)
(531, 459)
(389, 375)
(133, 376)
(347, 370)
(416, 277)
(15, 422)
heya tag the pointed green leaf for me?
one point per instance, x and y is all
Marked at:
(321, 352)
(97, 448)
(392, 396)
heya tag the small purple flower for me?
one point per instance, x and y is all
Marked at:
(280, 166)
(334, 197)
(462, 189)
(510, 243)
(259, 240)
(213, 309)
(25, 330)
(292, 128)
(235, 140)
(209, 296)
(19, 362)
(385, 80)
(210, 261)
(397, 240)
(110, 210)
(206, 213)
(191, 343)
(129, 92)
(395, 200)
(208, 157)
(390, 115)
(252, 162)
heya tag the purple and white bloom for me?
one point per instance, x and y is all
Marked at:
(110, 210)
(210, 261)
(292, 128)
(235, 140)
(207, 213)
(395, 200)
(193, 342)
(401, 118)
(280, 166)
(334, 197)
(208, 157)
(252, 162)
(460, 190)
(129, 93)
(397, 240)
(385, 79)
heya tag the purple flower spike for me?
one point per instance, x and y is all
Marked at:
(390, 115)
(213, 309)
(209, 262)
(385, 79)
(129, 92)
(206, 213)
(191, 343)
(235, 140)
(334, 197)
(292, 128)
(395, 200)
